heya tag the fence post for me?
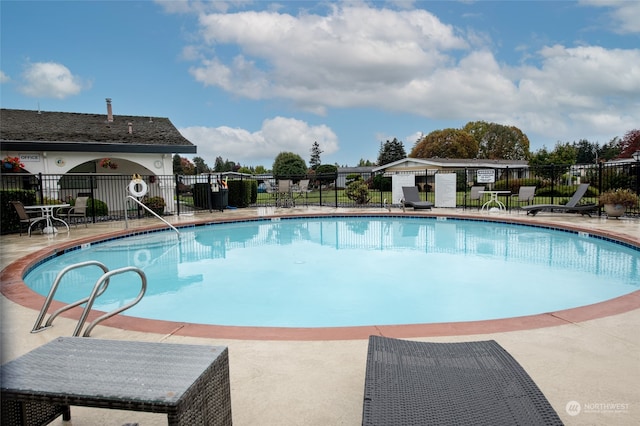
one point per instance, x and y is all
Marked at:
(509, 189)
(177, 191)
(40, 188)
(553, 183)
(92, 184)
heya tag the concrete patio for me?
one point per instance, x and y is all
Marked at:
(595, 362)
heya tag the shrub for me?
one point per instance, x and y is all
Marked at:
(381, 183)
(156, 204)
(623, 197)
(242, 193)
(9, 221)
(358, 191)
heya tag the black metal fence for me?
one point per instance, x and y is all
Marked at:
(175, 194)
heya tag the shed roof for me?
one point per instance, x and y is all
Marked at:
(452, 163)
(68, 131)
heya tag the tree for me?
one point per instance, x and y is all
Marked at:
(391, 151)
(447, 143)
(326, 174)
(219, 165)
(177, 165)
(187, 167)
(225, 165)
(289, 164)
(314, 162)
(498, 142)
(630, 143)
(363, 163)
(611, 149)
(586, 152)
(200, 165)
(563, 156)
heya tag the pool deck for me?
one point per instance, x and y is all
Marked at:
(591, 356)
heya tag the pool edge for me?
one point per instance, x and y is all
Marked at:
(14, 289)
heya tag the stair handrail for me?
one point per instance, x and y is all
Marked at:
(98, 289)
(54, 287)
(126, 218)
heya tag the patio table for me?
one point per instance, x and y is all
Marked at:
(190, 383)
(48, 217)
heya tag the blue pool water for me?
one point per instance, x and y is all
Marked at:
(346, 271)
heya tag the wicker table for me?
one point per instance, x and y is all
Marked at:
(188, 382)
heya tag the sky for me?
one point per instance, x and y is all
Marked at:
(246, 80)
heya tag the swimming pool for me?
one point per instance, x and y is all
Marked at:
(352, 271)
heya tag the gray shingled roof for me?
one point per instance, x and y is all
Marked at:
(64, 131)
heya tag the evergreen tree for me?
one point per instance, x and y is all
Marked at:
(177, 165)
(391, 151)
(201, 165)
(314, 162)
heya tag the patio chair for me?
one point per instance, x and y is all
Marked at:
(525, 195)
(79, 210)
(474, 195)
(23, 216)
(571, 206)
(423, 383)
(412, 198)
(302, 189)
(284, 193)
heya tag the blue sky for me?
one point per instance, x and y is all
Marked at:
(246, 80)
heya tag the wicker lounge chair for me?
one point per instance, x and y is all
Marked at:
(571, 206)
(470, 383)
(412, 199)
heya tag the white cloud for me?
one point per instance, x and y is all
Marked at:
(50, 80)
(4, 78)
(408, 61)
(340, 60)
(276, 135)
(624, 13)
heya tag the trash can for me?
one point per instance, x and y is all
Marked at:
(220, 199)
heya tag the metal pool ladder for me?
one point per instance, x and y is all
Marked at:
(100, 286)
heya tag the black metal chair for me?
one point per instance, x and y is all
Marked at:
(23, 216)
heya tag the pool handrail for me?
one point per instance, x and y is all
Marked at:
(98, 289)
(126, 218)
(54, 287)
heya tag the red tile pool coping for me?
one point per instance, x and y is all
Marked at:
(13, 287)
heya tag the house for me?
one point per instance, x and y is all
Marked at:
(61, 143)
(477, 170)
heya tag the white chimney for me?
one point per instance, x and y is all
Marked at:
(109, 112)
(130, 128)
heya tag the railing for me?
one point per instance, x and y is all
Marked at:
(192, 194)
(98, 289)
(151, 212)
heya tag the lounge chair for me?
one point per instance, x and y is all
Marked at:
(571, 206)
(412, 198)
(468, 383)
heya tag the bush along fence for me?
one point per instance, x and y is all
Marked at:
(182, 194)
